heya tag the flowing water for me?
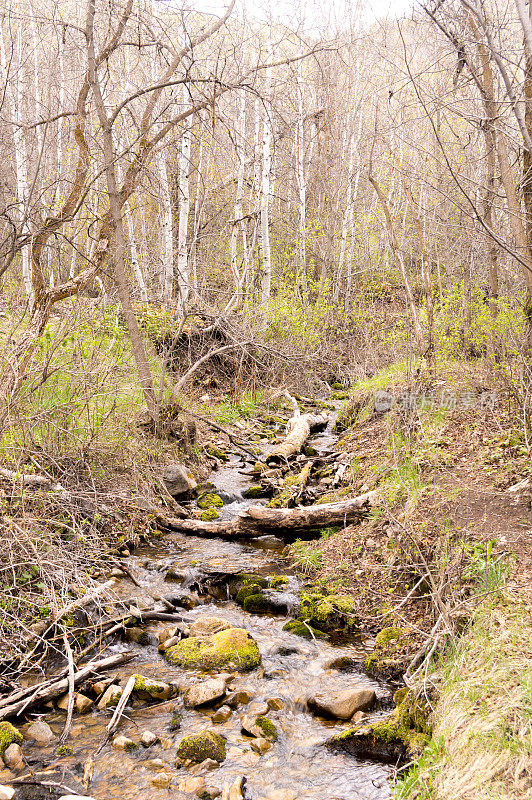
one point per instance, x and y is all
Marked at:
(297, 767)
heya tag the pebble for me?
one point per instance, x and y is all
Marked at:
(121, 742)
(192, 786)
(205, 766)
(13, 757)
(148, 738)
(205, 692)
(155, 763)
(258, 707)
(162, 780)
(239, 698)
(276, 704)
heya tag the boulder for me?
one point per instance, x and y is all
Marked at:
(199, 746)
(178, 481)
(202, 694)
(13, 757)
(40, 732)
(221, 715)
(146, 688)
(110, 697)
(233, 647)
(342, 704)
(258, 726)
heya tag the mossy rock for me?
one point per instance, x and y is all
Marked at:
(214, 451)
(209, 514)
(256, 604)
(386, 740)
(283, 499)
(388, 657)
(210, 500)
(301, 629)
(199, 746)
(8, 736)
(327, 613)
(276, 581)
(247, 591)
(233, 648)
(175, 721)
(310, 451)
(259, 467)
(254, 491)
(238, 582)
(268, 728)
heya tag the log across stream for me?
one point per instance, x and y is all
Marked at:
(298, 766)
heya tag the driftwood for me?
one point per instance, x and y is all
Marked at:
(259, 519)
(49, 690)
(299, 428)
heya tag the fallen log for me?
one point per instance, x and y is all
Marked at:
(299, 428)
(49, 691)
(258, 519)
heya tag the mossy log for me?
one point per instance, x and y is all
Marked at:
(258, 519)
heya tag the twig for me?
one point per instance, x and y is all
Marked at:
(119, 710)
(217, 427)
(71, 690)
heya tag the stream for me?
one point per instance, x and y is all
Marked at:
(297, 767)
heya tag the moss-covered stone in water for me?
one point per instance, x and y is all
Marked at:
(268, 728)
(386, 658)
(277, 581)
(233, 647)
(327, 613)
(200, 746)
(246, 591)
(254, 491)
(238, 582)
(8, 735)
(175, 721)
(256, 604)
(301, 629)
(210, 500)
(214, 451)
(209, 514)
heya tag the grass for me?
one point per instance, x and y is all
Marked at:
(482, 743)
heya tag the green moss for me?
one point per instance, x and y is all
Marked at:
(209, 514)
(232, 647)
(278, 580)
(386, 657)
(329, 612)
(64, 750)
(259, 466)
(210, 500)
(175, 721)
(256, 604)
(301, 629)
(246, 591)
(151, 687)
(254, 491)
(268, 728)
(400, 695)
(8, 735)
(281, 500)
(200, 746)
(214, 451)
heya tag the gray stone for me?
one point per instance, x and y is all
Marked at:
(40, 732)
(13, 757)
(201, 694)
(342, 704)
(147, 738)
(121, 742)
(178, 481)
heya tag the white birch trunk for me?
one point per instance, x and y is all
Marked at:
(237, 214)
(301, 183)
(167, 237)
(183, 277)
(266, 189)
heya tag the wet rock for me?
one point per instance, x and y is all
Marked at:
(259, 726)
(167, 633)
(342, 704)
(303, 629)
(240, 697)
(175, 574)
(207, 626)
(275, 703)
(155, 763)
(178, 481)
(162, 780)
(7, 793)
(13, 757)
(258, 707)
(192, 786)
(211, 792)
(235, 790)
(261, 745)
(343, 663)
(221, 715)
(284, 650)
(148, 688)
(202, 694)
(40, 732)
(169, 643)
(82, 704)
(232, 647)
(110, 697)
(327, 612)
(100, 686)
(199, 746)
(147, 738)
(181, 600)
(122, 742)
(205, 766)
(387, 658)
(8, 736)
(138, 636)
(175, 721)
